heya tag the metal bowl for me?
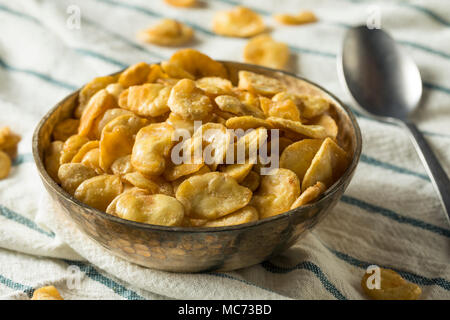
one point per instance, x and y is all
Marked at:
(181, 249)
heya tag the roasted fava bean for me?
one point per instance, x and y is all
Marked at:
(182, 3)
(237, 171)
(313, 106)
(302, 17)
(156, 74)
(174, 172)
(309, 195)
(52, 157)
(214, 85)
(46, 293)
(229, 104)
(111, 209)
(297, 157)
(115, 89)
(151, 148)
(215, 139)
(118, 138)
(179, 123)
(250, 143)
(250, 102)
(165, 187)
(156, 209)
(65, 129)
(244, 215)
(259, 84)
(71, 147)
(212, 195)
(167, 32)
(238, 22)
(84, 150)
(392, 287)
(138, 180)
(176, 183)
(92, 160)
(189, 101)
(122, 165)
(198, 64)
(108, 116)
(147, 100)
(247, 122)
(95, 109)
(276, 193)
(9, 142)
(175, 72)
(89, 90)
(134, 75)
(5, 165)
(251, 181)
(286, 109)
(296, 127)
(72, 175)
(329, 124)
(99, 191)
(327, 166)
(265, 51)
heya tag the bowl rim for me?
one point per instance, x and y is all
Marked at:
(149, 227)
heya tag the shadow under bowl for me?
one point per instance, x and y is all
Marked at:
(182, 249)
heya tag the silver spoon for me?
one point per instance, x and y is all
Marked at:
(386, 83)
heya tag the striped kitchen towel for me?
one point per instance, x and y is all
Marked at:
(390, 215)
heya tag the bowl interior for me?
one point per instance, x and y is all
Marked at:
(349, 138)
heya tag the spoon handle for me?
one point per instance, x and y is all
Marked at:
(434, 169)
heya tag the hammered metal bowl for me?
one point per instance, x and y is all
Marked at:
(181, 249)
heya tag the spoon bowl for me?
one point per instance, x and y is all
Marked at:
(381, 77)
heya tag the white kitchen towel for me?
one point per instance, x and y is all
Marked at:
(389, 216)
